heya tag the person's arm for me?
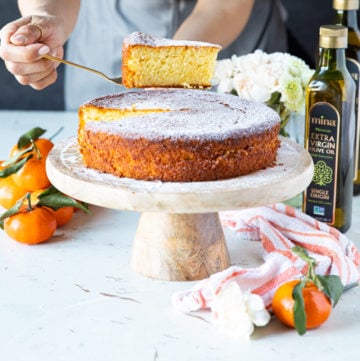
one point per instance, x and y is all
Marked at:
(216, 21)
(44, 28)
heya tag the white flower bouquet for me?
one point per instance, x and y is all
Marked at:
(277, 79)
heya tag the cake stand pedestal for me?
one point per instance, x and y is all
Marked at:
(179, 235)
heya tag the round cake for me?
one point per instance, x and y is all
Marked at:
(177, 135)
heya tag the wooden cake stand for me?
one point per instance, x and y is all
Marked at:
(179, 235)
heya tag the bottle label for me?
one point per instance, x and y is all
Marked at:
(322, 143)
(354, 69)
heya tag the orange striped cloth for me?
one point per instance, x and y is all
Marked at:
(278, 228)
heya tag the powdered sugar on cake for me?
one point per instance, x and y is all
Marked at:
(149, 40)
(184, 114)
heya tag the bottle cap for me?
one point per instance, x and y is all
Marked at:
(346, 4)
(333, 36)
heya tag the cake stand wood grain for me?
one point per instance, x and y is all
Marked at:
(179, 235)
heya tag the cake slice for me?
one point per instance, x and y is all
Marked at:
(149, 61)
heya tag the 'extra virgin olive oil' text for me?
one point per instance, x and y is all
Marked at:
(329, 132)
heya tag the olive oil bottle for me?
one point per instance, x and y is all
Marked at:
(347, 15)
(330, 132)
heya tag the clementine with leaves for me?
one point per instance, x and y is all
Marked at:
(34, 207)
(306, 303)
(317, 305)
(31, 225)
(27, 161)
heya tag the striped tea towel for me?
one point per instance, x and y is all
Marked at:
(279, 228)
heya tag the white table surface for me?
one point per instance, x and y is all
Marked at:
(76, 297)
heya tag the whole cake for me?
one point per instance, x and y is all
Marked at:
(177, 135)
(149, 61)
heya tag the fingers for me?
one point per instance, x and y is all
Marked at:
(28, 66)
(22, 51)
(38, 80)
(27, 69)
(20, 41)
(38, 75)
(21, 32)
(23, 54)
(27, 34)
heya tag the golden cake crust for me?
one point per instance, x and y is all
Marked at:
(177, 135)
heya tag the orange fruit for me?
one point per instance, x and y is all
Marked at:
(10, 192)
(63, 215)
(32, 175)
(44, 146)
(317, 305)
(31, 226)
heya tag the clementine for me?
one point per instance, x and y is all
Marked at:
(63, 215)
(31, 225)
(32, 175)
(10, 192)
(317, 305)
(44, 146)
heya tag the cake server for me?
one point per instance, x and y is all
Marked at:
(117, 80)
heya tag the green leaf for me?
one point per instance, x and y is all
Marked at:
(11, 169)
(17, 156)
(55, 199)
(274, 98)
(27, 138)
(50, 190)
(299, 308)
(303, 254)
(332, 287)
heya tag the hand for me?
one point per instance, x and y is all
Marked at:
(25, 41)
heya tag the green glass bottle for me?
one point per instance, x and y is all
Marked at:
(347, 15)
(330, 132)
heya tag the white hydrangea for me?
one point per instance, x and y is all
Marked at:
(258, 75)
(236, 313)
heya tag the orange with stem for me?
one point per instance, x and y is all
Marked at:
(30, 224)
(308, 302)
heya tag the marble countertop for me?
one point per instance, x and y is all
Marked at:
(76, 297)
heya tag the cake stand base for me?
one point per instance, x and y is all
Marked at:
(179, 236)
(179, 247)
